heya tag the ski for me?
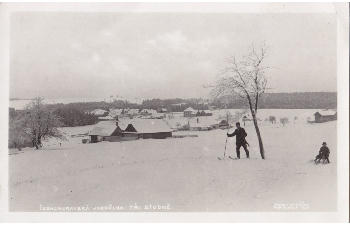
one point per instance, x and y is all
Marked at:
(237, 158)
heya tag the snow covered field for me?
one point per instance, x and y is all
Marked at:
(180, 174)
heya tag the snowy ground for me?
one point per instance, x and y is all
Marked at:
(180, 174)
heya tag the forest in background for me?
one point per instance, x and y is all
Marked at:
(78, 114)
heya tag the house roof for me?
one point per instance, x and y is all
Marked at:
(326, 113)
(133, 111)
(115, 111)
(164, 109)
(152, 111)
(99, 111)
(106, 118)
(189, 109)
(223, 122)
(103, 130)
(106, 128)
(150, 126)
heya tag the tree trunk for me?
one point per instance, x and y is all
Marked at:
(38, 143)
(261, 146)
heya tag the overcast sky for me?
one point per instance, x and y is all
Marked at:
(163, 55)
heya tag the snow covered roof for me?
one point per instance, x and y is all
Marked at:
(109, 124)
(99, 111)
(152, 111)
(115, 112)
(150, 126)
(326, 113)
(164, 109)
(106, 118)
(183, 103)
(133, 111)
(207, 111)
(103, 130)
(189, 109)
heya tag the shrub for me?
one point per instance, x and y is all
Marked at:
(284, 120)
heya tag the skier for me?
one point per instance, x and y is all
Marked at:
(240, 139)
(323, 153)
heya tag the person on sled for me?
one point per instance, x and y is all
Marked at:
(323, 153)
(240, 139)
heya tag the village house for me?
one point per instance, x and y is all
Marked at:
(115, 112)
(100, 112)
(145, 129)
(180, 104)
(206, 113)
(105, 130)
(132, 112)
(162, 110)
(189, 112)
(148, 112)
(324, 116)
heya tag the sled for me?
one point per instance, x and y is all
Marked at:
(324, 161)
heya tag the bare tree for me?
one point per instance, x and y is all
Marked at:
(272, 119)
(39, 123)
(17, 138)
(284, 120)
(244, 77)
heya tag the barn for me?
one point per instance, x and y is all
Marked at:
(104, 132)
(152, 128)
(325, 115)
(189, 112)
(109, 131)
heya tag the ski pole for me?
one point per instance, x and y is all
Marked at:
(225, 143)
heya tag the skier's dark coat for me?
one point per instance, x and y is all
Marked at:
(240, 136)
(324, 150)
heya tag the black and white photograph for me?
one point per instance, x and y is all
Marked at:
(175, 112)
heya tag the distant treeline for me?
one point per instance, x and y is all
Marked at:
(298, 100)
(79, 114)
(68, 115)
